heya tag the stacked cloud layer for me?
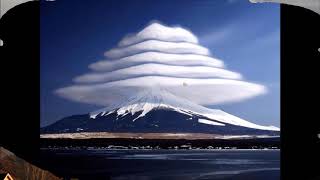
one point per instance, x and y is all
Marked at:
(169, 58)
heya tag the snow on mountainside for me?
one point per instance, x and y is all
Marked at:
(155, 98)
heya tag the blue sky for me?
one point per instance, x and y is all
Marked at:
(245, 36)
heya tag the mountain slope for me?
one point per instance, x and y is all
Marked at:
(157, 110)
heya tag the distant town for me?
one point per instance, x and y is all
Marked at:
(182, 147)
(155, 144)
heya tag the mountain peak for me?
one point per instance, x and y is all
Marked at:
(144, 101)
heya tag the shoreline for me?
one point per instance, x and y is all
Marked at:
(129, 135)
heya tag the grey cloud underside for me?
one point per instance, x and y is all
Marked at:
(173, 61)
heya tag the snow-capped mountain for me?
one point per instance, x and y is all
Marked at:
(158, 110)
(159, 98)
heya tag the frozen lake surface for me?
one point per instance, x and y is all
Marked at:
(163, 164)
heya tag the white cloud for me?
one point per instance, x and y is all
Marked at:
(182, 68)
(160, 32)
(201, 91)
(159, 58)
(158, 70)
(157, 46)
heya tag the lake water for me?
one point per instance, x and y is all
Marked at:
(163, 164)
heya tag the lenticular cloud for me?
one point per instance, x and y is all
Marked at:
(163, 57)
